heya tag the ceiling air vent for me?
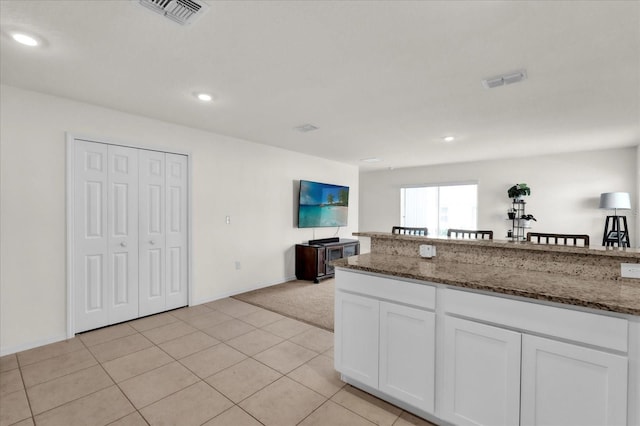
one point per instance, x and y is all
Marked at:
(304, 128)
(501, 80)
(181, 11)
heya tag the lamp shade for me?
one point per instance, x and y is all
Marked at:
(615, 200)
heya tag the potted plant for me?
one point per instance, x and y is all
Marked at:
(525, 220)
(518, 191)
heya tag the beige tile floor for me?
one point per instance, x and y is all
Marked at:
(223, 363)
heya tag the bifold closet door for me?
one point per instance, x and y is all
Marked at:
(122, 214)
(105, 234)
(176, 230)
(163, 233)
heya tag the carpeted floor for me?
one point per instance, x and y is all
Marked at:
(301, 300)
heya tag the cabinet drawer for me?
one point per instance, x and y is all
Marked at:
(408, 293)
(593, 329)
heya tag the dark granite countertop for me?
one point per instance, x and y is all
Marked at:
(632, 254)
(621, 295)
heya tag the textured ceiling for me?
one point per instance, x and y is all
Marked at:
(384, 79)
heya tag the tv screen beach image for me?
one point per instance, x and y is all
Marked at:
(322, 205)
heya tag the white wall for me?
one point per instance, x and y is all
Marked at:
(565, 191)
(254, 184)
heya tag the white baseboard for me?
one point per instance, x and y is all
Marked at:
(243, 290)
(30, 345)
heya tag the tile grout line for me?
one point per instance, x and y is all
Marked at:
(248, 357)
(285, 315)
(318, 354)
(24, 388)
(271, 368)
(179, 361)
(33, 415)
(326, 398)
(358, 414)
(157, 345)
(51, 357)
(117, 385)
(98, 363)
(88, 332)
(137, 410)
(248, 396)
(347, 408)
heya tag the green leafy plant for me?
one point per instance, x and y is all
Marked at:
(519, 190)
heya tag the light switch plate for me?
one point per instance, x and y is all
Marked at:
(427, 250)
(630, 270)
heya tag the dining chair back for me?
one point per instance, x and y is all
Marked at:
(558, 239)
(405, 230)
(469, 233)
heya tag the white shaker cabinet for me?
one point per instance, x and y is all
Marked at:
(499, 360)
(505, 373)
(407, 356)
(481, 374)
(565, 384)
(356, 337)
(383, 343)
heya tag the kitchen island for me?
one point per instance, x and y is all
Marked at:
(492, 332)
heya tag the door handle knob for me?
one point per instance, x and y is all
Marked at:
(123, 244)
(152, 242)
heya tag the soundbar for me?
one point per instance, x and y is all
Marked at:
(324, 241)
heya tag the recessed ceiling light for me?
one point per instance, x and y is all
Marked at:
(204, 97)
(25, 39)
(370, 160)
(449, 138)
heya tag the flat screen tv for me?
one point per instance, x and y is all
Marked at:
(322, 205)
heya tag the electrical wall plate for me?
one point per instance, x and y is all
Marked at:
(630, 270)
(427, 250)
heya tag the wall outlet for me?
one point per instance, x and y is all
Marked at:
(427, 250)
(237, 265)
(630, 270)
(227, 220)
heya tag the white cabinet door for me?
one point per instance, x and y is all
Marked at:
(564, 384)
(91, 237)
(152, 235)
(481, 374)
(176, 231)
(407, 354)
(123, 233)
(356, 337)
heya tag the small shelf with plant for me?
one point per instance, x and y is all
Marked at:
(516, 214)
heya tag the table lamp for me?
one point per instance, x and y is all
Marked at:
(618, 232)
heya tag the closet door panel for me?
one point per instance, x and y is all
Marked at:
(90, 236)
(176, 232)
(123, 233)
(130, 250)
(152, 236)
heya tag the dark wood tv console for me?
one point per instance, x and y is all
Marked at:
(311, 259)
